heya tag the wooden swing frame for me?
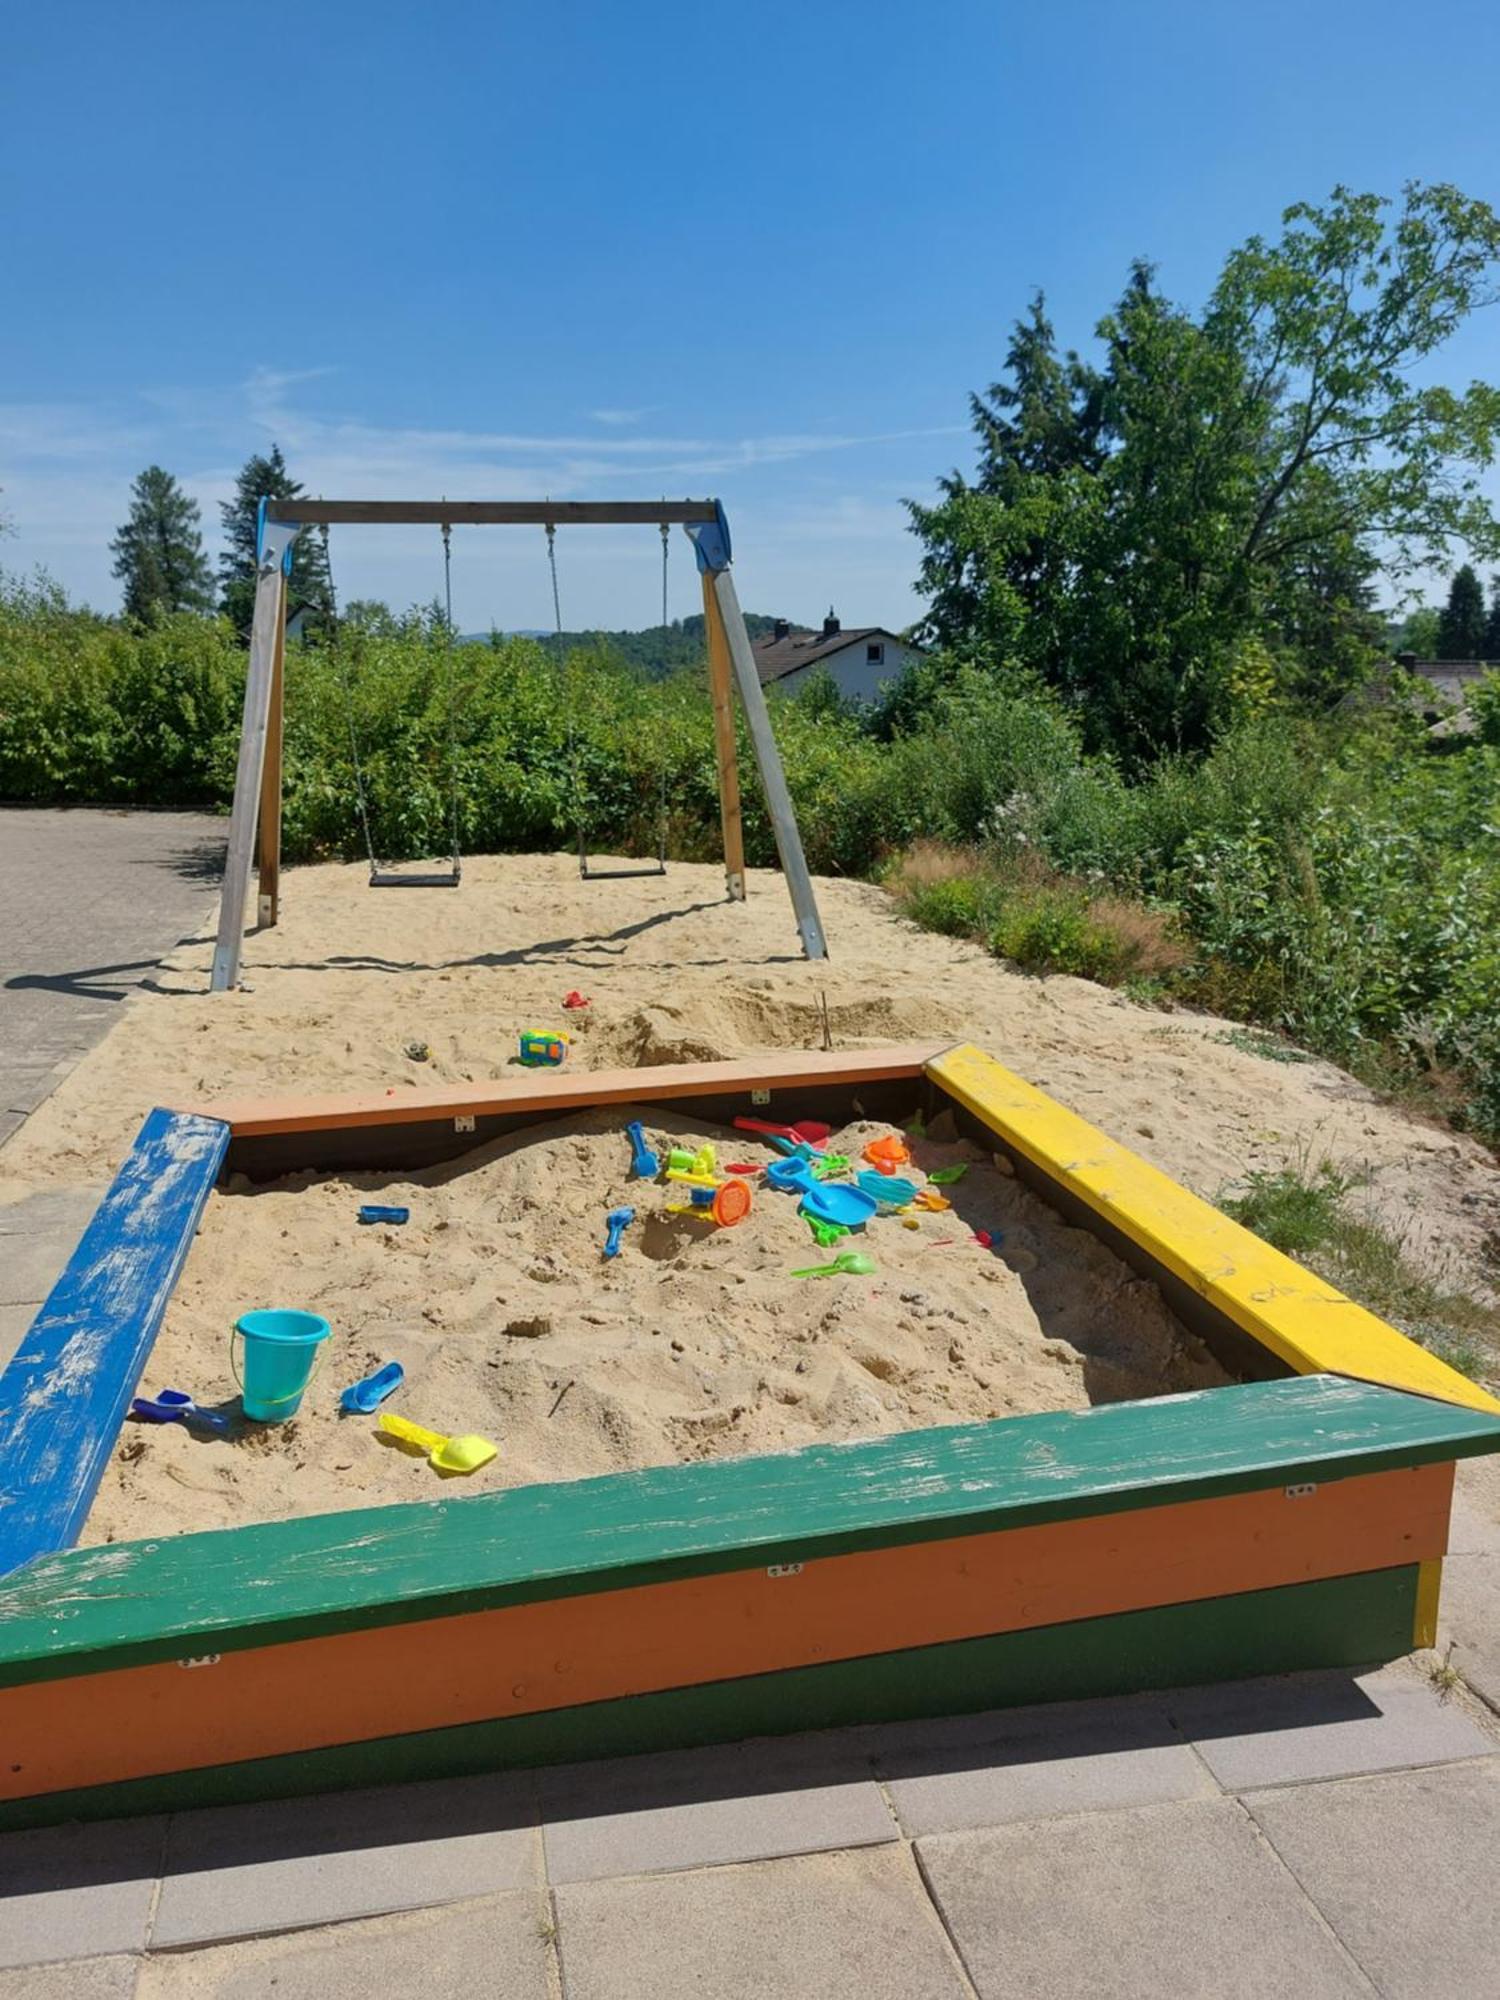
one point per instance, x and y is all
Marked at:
(255, 824)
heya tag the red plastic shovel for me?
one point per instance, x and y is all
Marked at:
(806, 1131)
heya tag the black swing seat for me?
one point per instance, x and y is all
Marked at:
(424, 878)
(618, 874)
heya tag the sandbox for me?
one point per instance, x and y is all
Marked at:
(1142, 1449)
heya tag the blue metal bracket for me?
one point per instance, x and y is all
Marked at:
(273, 540)
(711, 541)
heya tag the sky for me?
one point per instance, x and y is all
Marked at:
(589, 250)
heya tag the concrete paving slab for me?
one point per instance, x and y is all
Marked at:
(1403, 1867)
(1469, 1615)
(77, 1891)
(78, 1979)
(243, 1871)
(30, 1266)
(63, 1213)
(1175, 1901)
(819, 1927)
(14, 1320)
(1325, 1725)
(493, 1950)
(1113, 1755)
(703, 1808)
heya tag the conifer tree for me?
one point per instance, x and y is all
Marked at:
(1461, 629)
(158, 551)
(1492, 624)
(265, 477)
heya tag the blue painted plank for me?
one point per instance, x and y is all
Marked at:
(65, 1393)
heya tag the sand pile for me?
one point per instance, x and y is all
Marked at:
(694, 1342)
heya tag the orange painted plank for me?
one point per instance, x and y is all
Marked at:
(577, 1090)
(355, 1686)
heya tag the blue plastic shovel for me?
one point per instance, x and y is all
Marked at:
(172, 1406)
(363, 1397)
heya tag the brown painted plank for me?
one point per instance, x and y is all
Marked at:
(475, 1666)
(504, 513)
(555, 1092)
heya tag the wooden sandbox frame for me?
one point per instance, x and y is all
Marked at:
(1296, 1519)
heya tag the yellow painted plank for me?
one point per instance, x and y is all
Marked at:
(1429, 1586)
(1308, 1324)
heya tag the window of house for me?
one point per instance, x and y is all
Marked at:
(874, 654)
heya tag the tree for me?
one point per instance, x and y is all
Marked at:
(1233, 476)
(158, 551)
(265, 477)
(1492, 624)
(1461, 629)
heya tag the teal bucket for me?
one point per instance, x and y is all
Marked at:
(281, 1352)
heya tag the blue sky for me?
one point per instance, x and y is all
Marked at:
(613, 251)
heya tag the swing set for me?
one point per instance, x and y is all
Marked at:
(255, 824)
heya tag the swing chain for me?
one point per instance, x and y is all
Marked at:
(452, 719)
(343, 672)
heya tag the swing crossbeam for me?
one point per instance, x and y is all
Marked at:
(254, 831)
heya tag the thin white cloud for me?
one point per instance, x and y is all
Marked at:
(622, 416)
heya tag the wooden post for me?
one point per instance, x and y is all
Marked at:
(268, 844)
(768, 761)
(268, 621)
(720, 685)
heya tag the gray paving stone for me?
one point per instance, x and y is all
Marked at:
(1469, 1615)
(1334, 1725)
(242, 1871)
(1404, 1869)
(820, 1927)
(77, 1891)
(30, 1266)
(59, 1212)
(1178, 1902)
(14, 1320)
(1051, 1762)
(705, 1807)
(10, 1121)
(79, 1979)
(493, 1950)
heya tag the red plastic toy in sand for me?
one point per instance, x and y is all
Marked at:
(574, 999)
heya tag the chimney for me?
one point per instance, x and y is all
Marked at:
(782, 629)
(830, 625)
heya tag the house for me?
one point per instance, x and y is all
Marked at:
(1450, 682)
(300, 617)
(861, 661)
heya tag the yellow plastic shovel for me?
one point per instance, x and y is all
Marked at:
(447, 1454)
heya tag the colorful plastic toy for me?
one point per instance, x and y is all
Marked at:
(574, 999)
(743, 1167)
(361, 1398)
(850, 1263)
(615, 1225)
(173, 1406)
(371, 1211)
(702, 1164)
(836, 1201)
(946, 1176)
(447, 1454)
(887, 1153)
(726, 1204)
(281, 1350)
(890, 1190)
(929, 1198)
(543, 1048)
(806, 1130)
(825, 1234)
(643, 1162)
(417, 1052)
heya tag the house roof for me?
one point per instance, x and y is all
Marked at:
(775, 658)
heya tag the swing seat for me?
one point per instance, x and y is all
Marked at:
(416, 878)
(589, 874)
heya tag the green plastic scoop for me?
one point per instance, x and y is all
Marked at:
(854, 1262)
(946, 1176)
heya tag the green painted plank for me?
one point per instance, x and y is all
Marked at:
(1351, 1621)
(138, 1601)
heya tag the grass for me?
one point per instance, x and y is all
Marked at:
(1305, 1210)
(1256, 1042)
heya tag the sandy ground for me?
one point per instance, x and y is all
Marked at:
(674, 973)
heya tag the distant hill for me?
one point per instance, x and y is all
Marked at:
(653, 654)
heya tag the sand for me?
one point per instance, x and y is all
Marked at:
(674, 973)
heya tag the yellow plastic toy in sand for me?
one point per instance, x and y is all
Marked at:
(448, 1454)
